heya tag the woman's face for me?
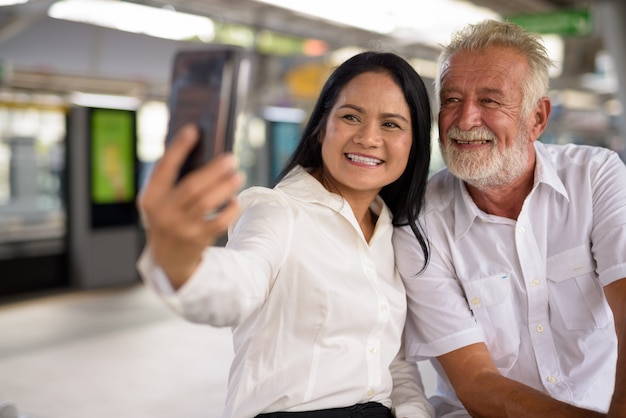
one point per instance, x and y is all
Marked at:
(367, 137)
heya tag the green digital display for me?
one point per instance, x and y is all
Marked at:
(112, 156)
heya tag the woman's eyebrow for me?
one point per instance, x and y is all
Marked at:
(385, 115)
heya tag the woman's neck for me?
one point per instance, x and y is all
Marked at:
(359, 203)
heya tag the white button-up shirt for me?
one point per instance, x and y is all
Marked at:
(531, 289)
(317, 312)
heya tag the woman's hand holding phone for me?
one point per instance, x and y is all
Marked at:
(183, 217)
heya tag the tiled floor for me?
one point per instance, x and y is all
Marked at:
(112, 353)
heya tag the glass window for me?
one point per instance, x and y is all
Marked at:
(32, 163)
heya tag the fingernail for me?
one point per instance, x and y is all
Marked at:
(189, 130)
(229, 158)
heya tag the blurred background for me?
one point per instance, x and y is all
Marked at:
(79, 335)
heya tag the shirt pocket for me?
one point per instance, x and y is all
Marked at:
(491, 302)
(575, 289)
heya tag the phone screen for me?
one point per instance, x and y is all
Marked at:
(204, 91)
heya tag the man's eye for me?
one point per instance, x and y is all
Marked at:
(491, 102)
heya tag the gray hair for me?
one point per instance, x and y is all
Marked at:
(490, 33)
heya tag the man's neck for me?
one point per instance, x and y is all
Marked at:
(505, 201)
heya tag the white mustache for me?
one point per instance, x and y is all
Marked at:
(474, 134)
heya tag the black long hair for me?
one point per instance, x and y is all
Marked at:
(405, 196)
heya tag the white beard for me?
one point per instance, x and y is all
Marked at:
(485, 168)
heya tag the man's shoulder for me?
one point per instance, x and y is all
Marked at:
(574, 153)
(441, 189)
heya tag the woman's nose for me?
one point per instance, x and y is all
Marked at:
(369, 135)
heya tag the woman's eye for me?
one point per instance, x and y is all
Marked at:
(350, 117)
(391, 125)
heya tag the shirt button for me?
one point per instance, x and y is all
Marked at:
(373, 350)
(539, 328)
(370, 393)
(552, 379)
(521, 230)
(535, 282)
(370, 271)
(475, 301)
(383, 308)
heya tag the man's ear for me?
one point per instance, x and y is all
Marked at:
(540, 116)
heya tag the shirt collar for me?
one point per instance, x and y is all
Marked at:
(546, 171)
(299, 184)
(466, 210)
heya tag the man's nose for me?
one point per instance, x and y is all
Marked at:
(470, 116)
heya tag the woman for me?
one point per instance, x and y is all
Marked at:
(307, 279)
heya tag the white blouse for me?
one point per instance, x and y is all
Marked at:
(317, 312)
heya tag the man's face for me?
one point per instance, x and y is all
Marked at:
(483, 134)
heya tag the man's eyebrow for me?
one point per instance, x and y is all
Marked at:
(491, 90)
(486, 90)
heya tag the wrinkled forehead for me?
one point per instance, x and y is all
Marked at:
(497, 67)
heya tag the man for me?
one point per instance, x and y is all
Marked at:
(523, 300)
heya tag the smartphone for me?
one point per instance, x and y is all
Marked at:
(208, 86)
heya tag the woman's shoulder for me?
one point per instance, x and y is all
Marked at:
(261, 195)
(264, 208)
